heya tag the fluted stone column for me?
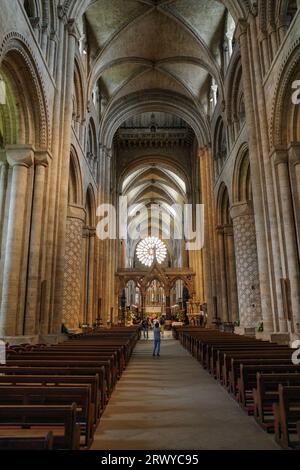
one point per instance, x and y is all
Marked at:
(33, 297)
(52, 223)
(64, 179)
(206, 178)
(3, 183)
(294, 161)
(20, 158)
(248, 40)
(286, 223)
(72, 312)
(106, 243)
(246, 265)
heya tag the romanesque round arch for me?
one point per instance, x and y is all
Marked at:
(17, 63)
(283, 128)
(155, 101)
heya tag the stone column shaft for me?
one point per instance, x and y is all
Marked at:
(223, 278)
(286, 220)
(21, 159)
(231, 274)
(256, 170)
(52, 223)
(3, 181)
(35, 251)
(63, 196)
(246, 265)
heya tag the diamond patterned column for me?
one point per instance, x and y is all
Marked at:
(246, 265)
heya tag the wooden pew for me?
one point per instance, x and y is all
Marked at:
(58, 380)
(22, 421)
(87, 367)
(32, 395)
(68, 372)
(112, 372)
(247, 379)
(287, 414)
(220, 352)
(265, 394)
(27, 443)
(253, 355)
(260, 364)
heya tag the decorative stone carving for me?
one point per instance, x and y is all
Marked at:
(246, 265)
(72, 273)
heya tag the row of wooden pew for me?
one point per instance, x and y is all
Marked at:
(260, 375)
(52, 397)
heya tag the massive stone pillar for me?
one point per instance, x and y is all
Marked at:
(286, 225)
(20, 158)
(106, 256)
(34, 273)
(52, 222)
(248, 42)
(206, 178)
(64, 178)
(3, 186)
(246, 266)
(72, 310)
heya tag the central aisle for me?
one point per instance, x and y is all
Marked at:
(169, 403)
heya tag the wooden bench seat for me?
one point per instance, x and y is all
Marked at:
(259, 364)
(85, 366)
(115, 371)
(265, 394)
(61, 372)
(259, 355)
(23, 420)
(58, 381)
(287, 415)
(31, 442)
(30, 395)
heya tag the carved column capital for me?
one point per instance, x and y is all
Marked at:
(294, 153)
(279, 156)
(42, 157)
(20, 155)
(76, 212)
(241, 209)
(241, 29)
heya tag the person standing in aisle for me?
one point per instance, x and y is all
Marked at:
(156, 332)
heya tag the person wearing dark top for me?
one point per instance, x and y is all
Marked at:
(156, 333)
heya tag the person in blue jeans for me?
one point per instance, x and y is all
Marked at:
(156, 333)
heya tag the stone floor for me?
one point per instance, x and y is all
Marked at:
(169, 403)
